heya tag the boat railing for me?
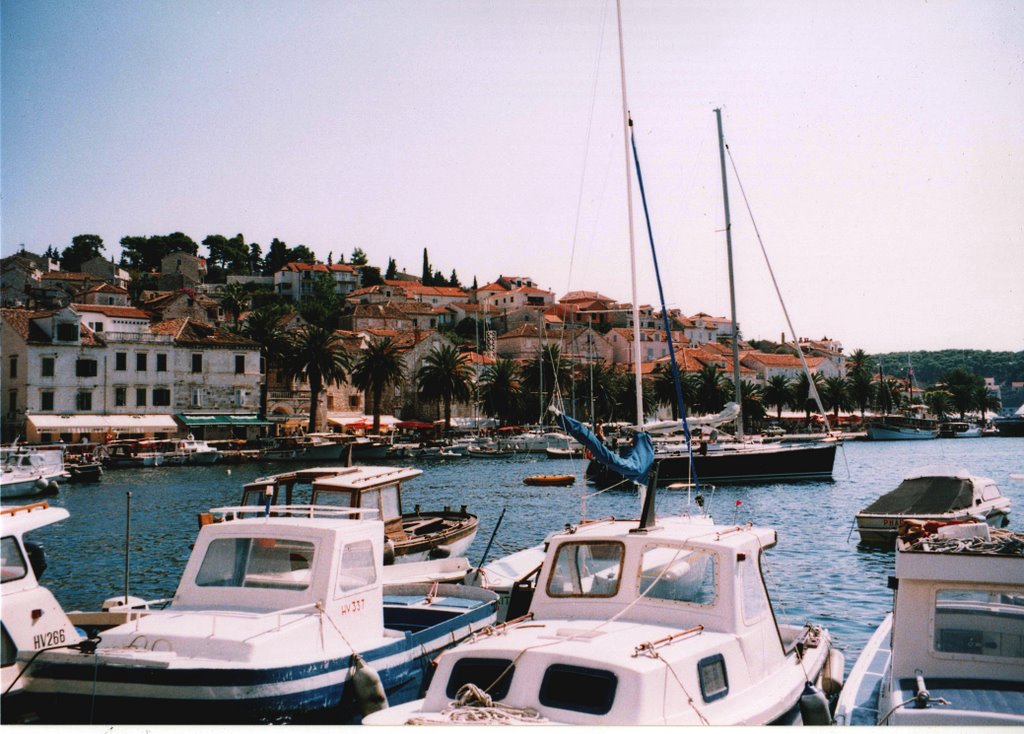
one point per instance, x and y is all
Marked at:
(304, 511)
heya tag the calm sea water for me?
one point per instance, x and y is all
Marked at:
(816, 573)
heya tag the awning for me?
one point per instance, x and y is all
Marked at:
(357, 420)
(217, 419)
(103, 423)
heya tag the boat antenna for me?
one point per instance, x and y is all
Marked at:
(127, 543)
(732, 284)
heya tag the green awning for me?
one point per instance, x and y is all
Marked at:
(247, 419)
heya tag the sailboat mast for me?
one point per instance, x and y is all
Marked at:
(732, 285)
(626, 124)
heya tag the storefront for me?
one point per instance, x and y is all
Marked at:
(224, 426)
(98, 428)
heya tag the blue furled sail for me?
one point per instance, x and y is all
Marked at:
(633, 463)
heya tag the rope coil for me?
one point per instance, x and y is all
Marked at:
(474, 706)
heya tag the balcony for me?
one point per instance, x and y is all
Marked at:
(136, 337)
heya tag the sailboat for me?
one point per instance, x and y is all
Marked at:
(661, 620)
(900, 427)
(739, 462)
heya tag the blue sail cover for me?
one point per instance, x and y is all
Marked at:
(634, 462)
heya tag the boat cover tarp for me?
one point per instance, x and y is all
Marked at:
(634, 462)
(924, 496)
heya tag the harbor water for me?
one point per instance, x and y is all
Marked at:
(817, 572)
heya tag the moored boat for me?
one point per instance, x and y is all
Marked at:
(26, 472)
(950, 653)
(1011, 426)
(33, 620)
(131, 454)
(550, 480)
(303, 448)
(416, 536)
(933, 494)
(277, 617)
(959, 429)
(902, 428)
(633, 625)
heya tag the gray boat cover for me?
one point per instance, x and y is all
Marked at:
(924, 496)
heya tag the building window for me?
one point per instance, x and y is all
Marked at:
(197, 397)
(83, 401)
(12, 402)
(161, 363)
(96, 326)
(46, 400)
(120, 397)
(14, 365)
(140, 397)
(161, 396)
(47, 367)
(353, 401)
(239, 364)
(67, 332)
(197, 363)
(85, 368)
(120, 361)
(140, 361)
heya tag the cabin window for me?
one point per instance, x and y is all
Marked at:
(358, 566)
(754, 595)
(370, 500)
(573, 688)
(678, 574)
(12, 563)
(587, 569)
(265, 563)
(493, 676)
(390, 503)
(714, 681)
(979, 623)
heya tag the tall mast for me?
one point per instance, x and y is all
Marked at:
(732, 285)
(626, 124)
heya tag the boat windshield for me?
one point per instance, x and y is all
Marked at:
(12, 563)
(268, 563)
(678, 574)
(975, 622)
(587, 569)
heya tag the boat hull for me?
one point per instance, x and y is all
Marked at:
(37, 486)
(883, 529)
(900, 433)
(1012, 427)
(84, 689)
(767, 464)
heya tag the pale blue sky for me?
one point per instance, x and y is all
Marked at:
(881, 145)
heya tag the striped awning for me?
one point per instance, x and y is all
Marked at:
(227, 419)
(101, 423)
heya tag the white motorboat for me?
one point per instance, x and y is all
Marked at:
(536, 442)
(933, 494)
(29, 473)
(279, 616)
(132, 454)
(33, 620)
(959, 429)
(952, 650)
(628, 625)
(192, 451)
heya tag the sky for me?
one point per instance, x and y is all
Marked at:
(880, 146)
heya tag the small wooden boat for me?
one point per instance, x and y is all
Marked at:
(550, 480)
(419, 535)
(488, 453)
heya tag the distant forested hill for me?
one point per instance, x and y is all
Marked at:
(930, 366)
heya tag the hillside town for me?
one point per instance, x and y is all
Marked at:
(86, 359)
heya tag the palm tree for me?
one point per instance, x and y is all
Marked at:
(857, 362)
(501, 391)
(802, 393)
(665, 387)
(263, 326)
(835, 393)
(862, 389)
(600, 383)
(317, 356)
(963, 386)
(939, 402)
(446, 376)
(234, 300)
(778, 392)
(712, 389)
(378, 365)
(753, 403)
(986, 400)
